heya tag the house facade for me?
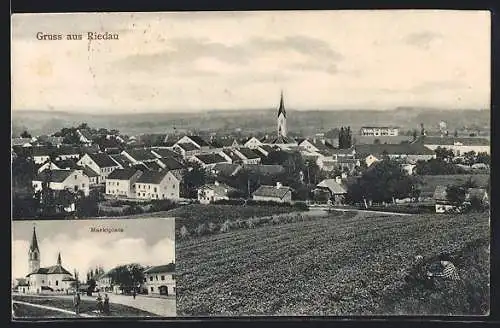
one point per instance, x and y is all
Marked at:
(160, 280)
(158, 185)
(120, 182)
(73, 180)
(210, 193)
(101, 163)
(379, 131)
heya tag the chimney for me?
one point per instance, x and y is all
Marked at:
(338, 179)
(278, 185)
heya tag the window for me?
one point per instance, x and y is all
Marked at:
(156, 278)
(149, 187)
(43, 281)
(162, 277)
(154, 189)
(57, 283)
(83, 185)
(173, 186)
(145, 280)
(76, 177)
(152, 289)
(151, 278)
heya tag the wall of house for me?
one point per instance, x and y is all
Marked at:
(443, 208)
(253, 143)
(154, 281)
(40, 159)
(168, 188)
(121, 188)
(77, 179)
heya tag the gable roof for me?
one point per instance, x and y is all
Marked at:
(103, 160)
(211, 158)
(121, 159)
(231, 155)
(89, 172)
(55, 269)
(122, 174)
(220, 189)
(248, 153)
(267, 148)
(161, 268)
(272, 191)
(66, 163)
(141, 155)
(154, 166)
(164, 152)
(199, 140)
(333, 186)
(187, 146)
(479, 193)
(224, 142)
(171, 163)
(152, 177)
(282, 140)
(226, 169)
(53, 175)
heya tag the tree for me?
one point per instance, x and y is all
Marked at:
(437, 167)
(470, 157)
(345, 137)
(127, 276)
(195, 177)
(444, 154)
(25, 134)
(483, 157)
(455, 194)
(384, 181)
(455, 134)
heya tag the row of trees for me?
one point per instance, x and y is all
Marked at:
(383, 182)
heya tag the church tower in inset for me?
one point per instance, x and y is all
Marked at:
(282, 118)
(34, 254)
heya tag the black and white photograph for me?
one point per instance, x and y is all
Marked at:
(93, 269)
(316, 163)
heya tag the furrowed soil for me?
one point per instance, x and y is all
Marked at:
(343, 264)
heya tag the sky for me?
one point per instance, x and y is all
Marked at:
(195, 61)
(143, 241)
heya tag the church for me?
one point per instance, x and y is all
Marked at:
(50, 279)
(281, 140)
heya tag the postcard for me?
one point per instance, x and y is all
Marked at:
(312, 163)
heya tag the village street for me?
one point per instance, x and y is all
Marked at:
(160, 306)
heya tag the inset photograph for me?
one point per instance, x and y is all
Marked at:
(88, 269)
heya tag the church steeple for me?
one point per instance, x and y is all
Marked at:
(34, 253)
(59, 262)
(281, 109)
(282, 118)
(34, 241)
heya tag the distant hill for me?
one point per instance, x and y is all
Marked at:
(250, 120)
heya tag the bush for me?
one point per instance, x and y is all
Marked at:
(250, 223)
(202, 229)
(184, 232)
(302, 206)
(212, 227)
(226, 226)
(230, 202)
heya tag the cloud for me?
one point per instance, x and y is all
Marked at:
(422, 40)
(184, 52)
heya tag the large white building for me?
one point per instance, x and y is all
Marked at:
(379, 131)
(72, 180)
(160, 279)
(50, 279)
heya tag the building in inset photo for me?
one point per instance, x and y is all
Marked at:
(115, 268)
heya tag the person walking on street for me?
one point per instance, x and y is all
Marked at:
(99, 303)
(76, 303)
(133, 293)
(106, 304)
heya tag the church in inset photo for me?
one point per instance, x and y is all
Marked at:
(53, 278)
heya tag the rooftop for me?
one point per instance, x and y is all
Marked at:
(167, 268)
(272, 191)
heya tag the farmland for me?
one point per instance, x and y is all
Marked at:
(193, 215)
(342, 264)
(430, 182)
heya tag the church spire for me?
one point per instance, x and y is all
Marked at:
(34, 241)
(59, 262)
(281, 109)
